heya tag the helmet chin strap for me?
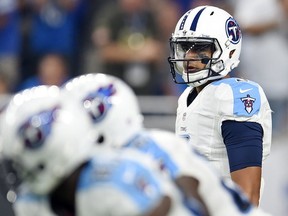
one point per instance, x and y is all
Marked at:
(200, 78)
(212, 71)
(203, 76)
(196, 84)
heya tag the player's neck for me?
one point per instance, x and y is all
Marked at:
(200, 88)
(63, 197)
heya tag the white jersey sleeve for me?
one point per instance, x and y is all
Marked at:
(169, 151)
(123, 184)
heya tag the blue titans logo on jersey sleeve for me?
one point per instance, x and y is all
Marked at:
(248, 102)
(246, 96)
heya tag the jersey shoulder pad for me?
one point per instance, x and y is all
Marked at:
(244, 96)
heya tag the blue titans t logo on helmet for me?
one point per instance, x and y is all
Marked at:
(233, 30)
(37, 128)
(98, 103)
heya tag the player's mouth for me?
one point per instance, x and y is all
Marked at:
(192, 69)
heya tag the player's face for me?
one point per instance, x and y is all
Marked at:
(197, 58)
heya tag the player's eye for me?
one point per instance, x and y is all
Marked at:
(186, 47)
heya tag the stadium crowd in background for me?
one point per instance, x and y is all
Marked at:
(71, 28)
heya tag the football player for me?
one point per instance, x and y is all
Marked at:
(227, 119)
(50, 146)
(114, 110)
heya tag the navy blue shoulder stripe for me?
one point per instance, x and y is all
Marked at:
(195, 21)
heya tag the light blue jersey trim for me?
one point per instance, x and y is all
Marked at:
(246, 96)
(115, 174)
(144, 143)
(29, 197)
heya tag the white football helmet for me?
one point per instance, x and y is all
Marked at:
(205, 27)
(111, 104)
(44, 138)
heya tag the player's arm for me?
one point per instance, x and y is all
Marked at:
(249, 179)
(243, 142)
(189, 186)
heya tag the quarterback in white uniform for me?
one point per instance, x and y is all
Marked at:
(175, 157)
(226, 119)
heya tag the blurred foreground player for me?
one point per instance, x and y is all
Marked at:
(49, 144)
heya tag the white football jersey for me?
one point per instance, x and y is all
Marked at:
(176, 157)
(124, 183)
(227, 99)
(115, 183)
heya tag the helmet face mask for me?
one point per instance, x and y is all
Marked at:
(214, 36)
(206, 53)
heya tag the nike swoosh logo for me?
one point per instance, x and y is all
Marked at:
(245, 90)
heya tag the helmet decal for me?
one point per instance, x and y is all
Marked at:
(37, 128)
(98, 103)
(184, 20)
(195, 20)
(233, 30)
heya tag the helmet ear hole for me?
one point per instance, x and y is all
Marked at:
(231, 53)
(41, 166)
(100, 139)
